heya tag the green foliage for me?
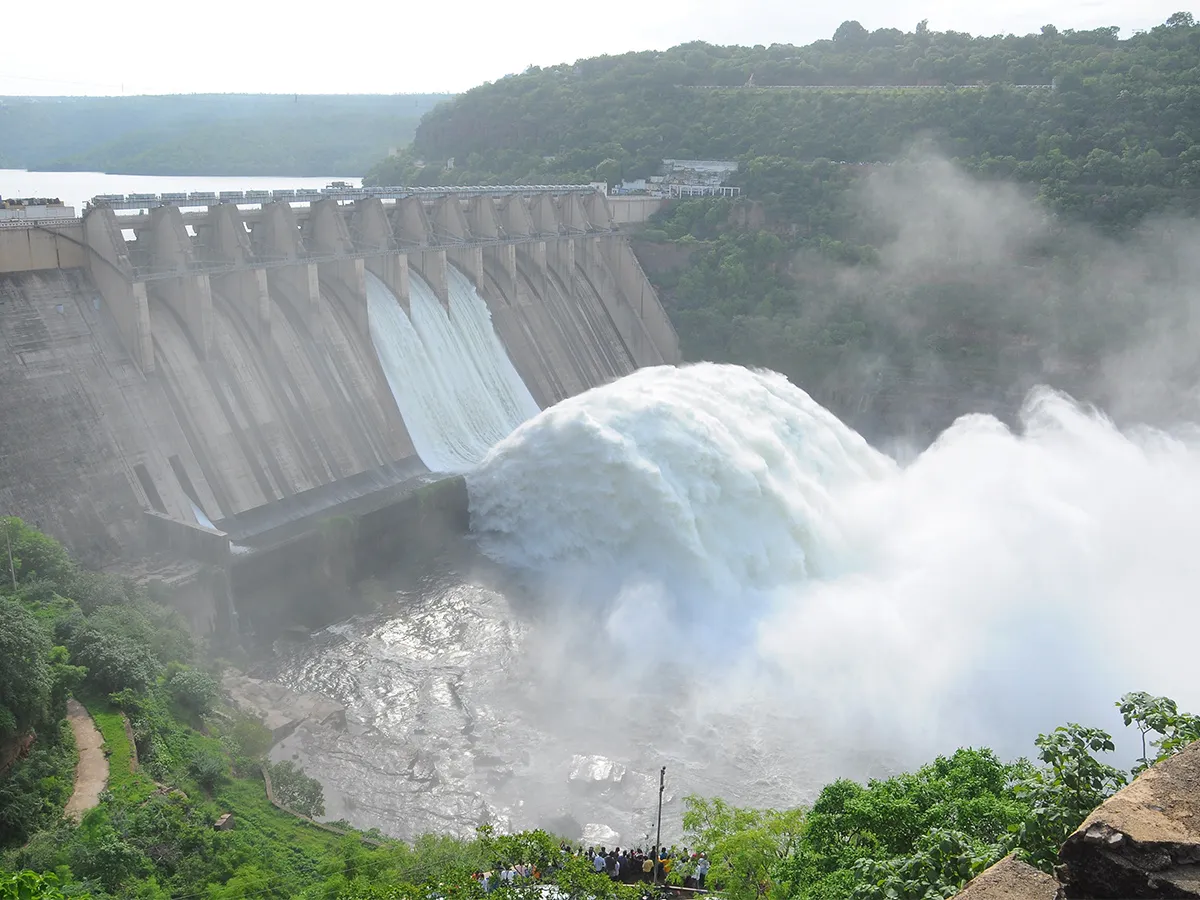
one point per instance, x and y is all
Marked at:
(26, 680)
(1158, 715)
(208, 768)
(34, 791)
(29, 886)
(746, 847)
(296, 790)
(1060, 794)
(944, 861)
(35, 556)
(194, 690)
(1111, 139)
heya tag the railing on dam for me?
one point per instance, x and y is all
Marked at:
(304, 195)
(223, 267)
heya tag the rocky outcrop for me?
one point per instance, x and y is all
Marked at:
(281, 710)
(1011, 879)
(1144, 841)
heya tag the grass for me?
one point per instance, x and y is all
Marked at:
(131, 787)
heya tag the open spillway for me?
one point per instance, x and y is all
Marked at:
(452, 379)
(703, 568)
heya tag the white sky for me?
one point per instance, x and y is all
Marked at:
(369, 46)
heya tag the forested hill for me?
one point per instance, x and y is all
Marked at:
(208, 134)
(900, 296)
(982, 98)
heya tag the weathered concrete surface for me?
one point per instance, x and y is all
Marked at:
(1011, 879)
(634, 210)
(78, 417)
(280, 709)
(1144, 841)
(205, 397)
(91, 772)
(42, 246)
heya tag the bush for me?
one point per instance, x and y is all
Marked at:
(194, 690)
(114, 663)
(296, 790)
(25, 677)
(208, 768)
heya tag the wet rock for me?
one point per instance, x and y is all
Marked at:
(1011, 879)
(1144, 841)
(589, 772)
(281, 710)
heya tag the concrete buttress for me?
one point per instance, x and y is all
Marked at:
(413, 229)
(225, 238)
(450, 224)
(328, 234)
(372, 230)
(112, 273)
(188, 295)
(277, 236)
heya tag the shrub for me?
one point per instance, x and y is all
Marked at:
(114, 663)
(25, 677)
(194, 690)
(208, 768)
(296, 790)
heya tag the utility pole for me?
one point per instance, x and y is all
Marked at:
(662, 785)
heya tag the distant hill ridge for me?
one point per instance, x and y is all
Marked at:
(208, 134)
(853, 97)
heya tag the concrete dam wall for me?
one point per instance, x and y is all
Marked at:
(207, 371)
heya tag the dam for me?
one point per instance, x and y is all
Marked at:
(203, 378)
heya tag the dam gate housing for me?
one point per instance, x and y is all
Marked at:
(191, 379)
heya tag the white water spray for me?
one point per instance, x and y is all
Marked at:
(1001, 584)
(455, 386)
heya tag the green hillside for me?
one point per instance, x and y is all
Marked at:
(837, 144)
(208, 134)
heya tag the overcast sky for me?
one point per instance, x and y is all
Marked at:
(403, 46)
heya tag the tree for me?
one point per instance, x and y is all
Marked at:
(1061, 793)
(1181, 20)
(1158, 715)
(297, 791)
(194, 690)
(26, 680)
(746, 847)
(34, 555)
(851, 32)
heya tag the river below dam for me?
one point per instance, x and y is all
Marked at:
(701, 568)
(468, 703)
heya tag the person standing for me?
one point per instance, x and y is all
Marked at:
(701, 871)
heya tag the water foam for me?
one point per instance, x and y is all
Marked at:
(1000, 584)
(455, 386)
(711, 470)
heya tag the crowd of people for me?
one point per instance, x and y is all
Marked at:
(624, 865)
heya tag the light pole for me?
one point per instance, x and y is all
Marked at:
(662, 785)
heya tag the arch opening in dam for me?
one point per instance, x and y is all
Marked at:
(194, 375)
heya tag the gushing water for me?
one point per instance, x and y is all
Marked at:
(999, 584)
(455, 386)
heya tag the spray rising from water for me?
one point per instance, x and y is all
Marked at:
(453, 382)
(1000, 584)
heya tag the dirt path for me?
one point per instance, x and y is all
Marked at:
(91, 773)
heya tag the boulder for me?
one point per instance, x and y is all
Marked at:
(1011, 879)
(1144, 841)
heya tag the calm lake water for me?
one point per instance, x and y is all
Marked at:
(73, 188)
